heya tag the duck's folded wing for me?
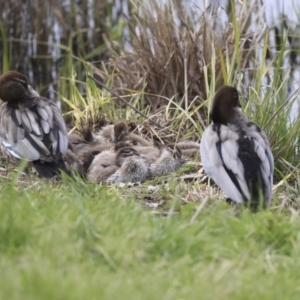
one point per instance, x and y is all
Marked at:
(249, 157)
(61, 126)
(227, 147)
(13, 126)
(219, 156)
(33, 133)
(262, 148)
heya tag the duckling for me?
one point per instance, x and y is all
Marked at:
(89, 152)
(105, 135)
(31, 127)
(187, 154)
(149, 153)
(236, 153)
(73, 164)
(102, 168)
(101, 161)
(121, 133)
(187, 144)
(97, 158)
(132, 167)
(189, 149)
(77, 143)
(169, 161)
(104, 174)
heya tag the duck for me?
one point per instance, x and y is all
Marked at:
(188, 154)
(108, 162)
(118, 133)
(121, 133)
(31, 127)
(73, 164)
(169, 160)
(149, 153)
(236, 153)
(104, 135)
(77, 142)
(88, 153)
(99, 157)
(187, 144)
(189, 149)
(132, 167)
(100, 163)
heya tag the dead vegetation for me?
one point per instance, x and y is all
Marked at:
(174, 53)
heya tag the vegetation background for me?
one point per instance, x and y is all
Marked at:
(173, 237)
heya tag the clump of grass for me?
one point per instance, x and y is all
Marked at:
(87, 105)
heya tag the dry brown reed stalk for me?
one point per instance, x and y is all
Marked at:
(171, 50)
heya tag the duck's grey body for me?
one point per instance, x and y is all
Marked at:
(236, 154)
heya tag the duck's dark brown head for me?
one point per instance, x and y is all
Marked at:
(120, 132)
(224, 105)
(14, 87)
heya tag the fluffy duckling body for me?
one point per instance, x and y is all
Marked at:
(77, 143)
(132, 167)
(187, 144)
(236, 153)
(88, 153)
(169, 161)
(149, 153)
(109, 165)
(101, 162)
(189, 149)
(31, 127)
(105, 135)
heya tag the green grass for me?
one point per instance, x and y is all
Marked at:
(79, 241)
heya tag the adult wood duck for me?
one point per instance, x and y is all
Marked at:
(236, 153)
(31, 127)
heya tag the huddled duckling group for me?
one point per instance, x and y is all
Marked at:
(115, 155)
(235, 152)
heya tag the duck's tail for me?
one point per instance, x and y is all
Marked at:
(50, 169)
